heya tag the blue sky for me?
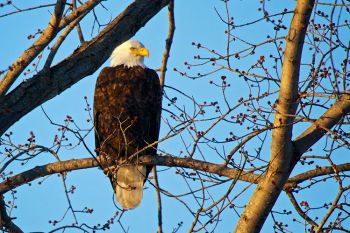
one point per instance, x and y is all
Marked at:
(196, 21)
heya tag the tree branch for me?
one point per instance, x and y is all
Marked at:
(300, 211)
(79, 31)
(330, 118)
(83, 62)
(169, 161)
(168, 42)
(320, 171)
(48, 169)
(159, 200)
(60, 40)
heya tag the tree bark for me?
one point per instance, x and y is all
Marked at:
(280, 167)
(83, 62)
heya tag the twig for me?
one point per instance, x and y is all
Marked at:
(159, 200)
(6, 221)
(330, 4)
(299, 210)
(80, 32)
(70, 206)
(60, 40)
(168, 42)
(331, 209)
(27, 9)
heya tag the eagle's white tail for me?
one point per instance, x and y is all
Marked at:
(129, 186)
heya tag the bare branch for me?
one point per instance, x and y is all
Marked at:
(299, 210)
(331, 209)
(168, 42)
(320, 171)
(159, 200)
(170, 161)
(60, 40)
(80, 32)
(331, 4)
(77, 164)
(45, 170)
(330, 118)
(26, 9)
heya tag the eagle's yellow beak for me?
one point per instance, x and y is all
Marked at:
(142, 52)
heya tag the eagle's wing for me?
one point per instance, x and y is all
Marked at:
(154, 109)
(100, 99)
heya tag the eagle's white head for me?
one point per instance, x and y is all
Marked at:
(130, 53)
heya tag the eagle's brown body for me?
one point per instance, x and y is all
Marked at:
(127, 105)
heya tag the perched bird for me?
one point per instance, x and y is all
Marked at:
(127, 107)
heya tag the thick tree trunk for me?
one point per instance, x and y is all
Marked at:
(280, 167)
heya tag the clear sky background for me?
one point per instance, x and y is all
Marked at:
(196, 21)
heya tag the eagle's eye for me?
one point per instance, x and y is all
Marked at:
(132, 48)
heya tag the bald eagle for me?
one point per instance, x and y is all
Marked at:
(127, 106)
